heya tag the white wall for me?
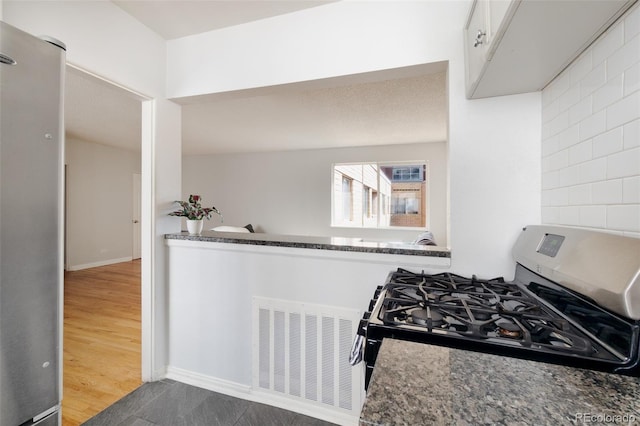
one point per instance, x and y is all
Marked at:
(99, 203)
(162, 139)
(290, 192)
(494, 144)
(591, 135)
(336, 39)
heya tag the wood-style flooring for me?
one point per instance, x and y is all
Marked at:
(101, 339)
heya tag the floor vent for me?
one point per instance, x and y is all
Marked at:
(301, 351)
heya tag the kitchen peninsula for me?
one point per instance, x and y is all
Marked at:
(272, 318)
(321, 243)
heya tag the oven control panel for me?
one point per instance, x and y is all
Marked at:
(550, 244)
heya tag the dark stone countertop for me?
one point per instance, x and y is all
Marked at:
(419, 384)
(319, 243)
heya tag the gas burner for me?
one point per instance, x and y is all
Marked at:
(509, 329)
(427, 317)
(481, 316)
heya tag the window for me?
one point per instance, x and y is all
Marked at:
(407, 174)
(373, 195)
(405, 202)
(366, 202)
(347, 199)
(374, 203)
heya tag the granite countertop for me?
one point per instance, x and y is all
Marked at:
(319, 243)
(419, 384)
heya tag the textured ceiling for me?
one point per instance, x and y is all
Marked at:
(394, 111)
(178, 18)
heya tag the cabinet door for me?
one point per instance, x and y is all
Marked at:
(475, 40)
(498, 13)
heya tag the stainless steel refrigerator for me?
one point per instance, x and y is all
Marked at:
(31, 212)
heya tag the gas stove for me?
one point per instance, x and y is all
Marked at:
(532, 316)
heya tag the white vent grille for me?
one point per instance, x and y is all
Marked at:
(301, 351)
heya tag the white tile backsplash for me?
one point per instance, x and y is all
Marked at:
(550, 215)
(591, 135)
(593, 216)
(580, 110)
(607, 143)
(607, 192)
(594, 80)
(592, 171)
(569, 99)
(632, 79)
(558, 197)
(580, 195)
(549, 145)
(568, 176)
(549, 180)
(559, 123)
(623, 164)
(593, 125)
(569, 215)
(609, 93)
(581, 152)
(631, 134)
(624, 111)
(559, 160)
(608, 44)
(550, 111)
(560, 85)
(624, 218)
(624, 58)
(569, 137)
(631, 190)
(632, 24)
(579, 69)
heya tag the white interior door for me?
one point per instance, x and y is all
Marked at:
(136, 216)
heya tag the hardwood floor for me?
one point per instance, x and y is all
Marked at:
(101, 339)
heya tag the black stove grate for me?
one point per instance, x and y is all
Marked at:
(492, 310)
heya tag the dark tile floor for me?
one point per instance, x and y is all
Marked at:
(168, 402)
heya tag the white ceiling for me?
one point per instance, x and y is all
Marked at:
(405, 105)
(99, 112)
(178, 18)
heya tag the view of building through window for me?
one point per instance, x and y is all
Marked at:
(374, 195)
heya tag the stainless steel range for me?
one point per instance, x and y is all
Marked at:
(574, 300)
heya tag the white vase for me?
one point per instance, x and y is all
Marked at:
(195, 226)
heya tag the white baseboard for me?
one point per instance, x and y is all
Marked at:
(305, 407)
(100, 263)
(247, 393)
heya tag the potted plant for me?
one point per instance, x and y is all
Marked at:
(193, 211)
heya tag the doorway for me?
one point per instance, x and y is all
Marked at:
(102, 297)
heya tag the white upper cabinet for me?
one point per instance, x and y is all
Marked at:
(519, 46)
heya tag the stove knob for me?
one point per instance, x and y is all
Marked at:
(362, 327)
(366, 315)
(377, 292)
(372, 303)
